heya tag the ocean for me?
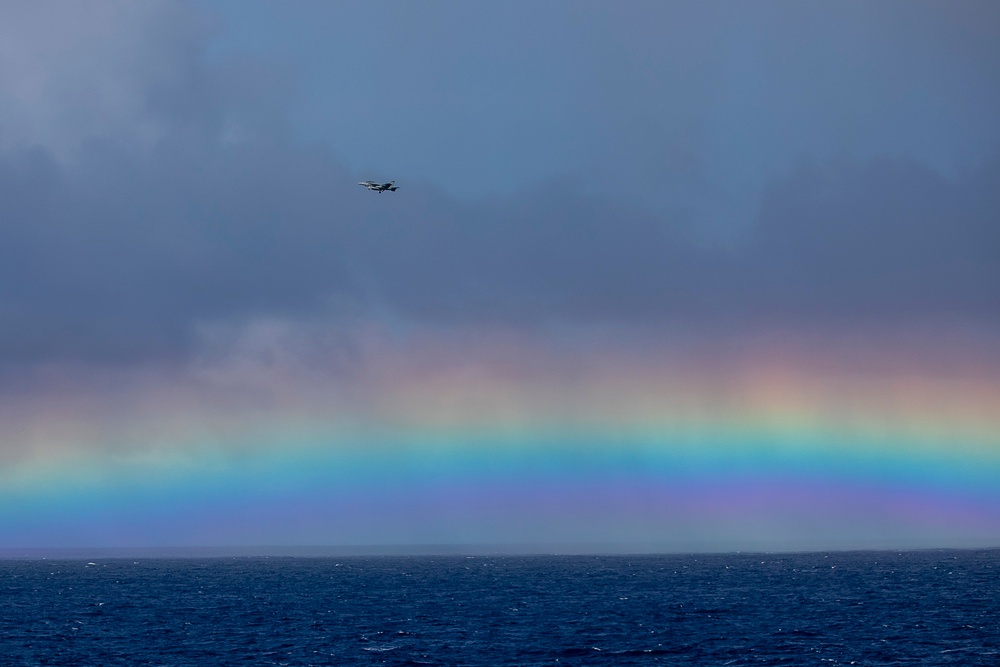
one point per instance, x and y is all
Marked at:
(925, 608)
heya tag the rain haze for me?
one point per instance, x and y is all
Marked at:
(658, 276)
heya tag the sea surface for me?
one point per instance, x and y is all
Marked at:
(864, 608)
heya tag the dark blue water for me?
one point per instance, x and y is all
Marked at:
(872, 608)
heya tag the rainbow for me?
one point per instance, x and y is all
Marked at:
(478, 439)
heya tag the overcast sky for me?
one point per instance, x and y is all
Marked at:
(169, 164)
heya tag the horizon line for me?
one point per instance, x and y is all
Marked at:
(443, 550)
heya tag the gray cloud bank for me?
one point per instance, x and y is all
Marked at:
(196, 206)
(121, 255)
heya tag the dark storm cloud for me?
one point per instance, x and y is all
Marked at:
(122, 255)
(548, 253)
(886, 241)
(882, 240)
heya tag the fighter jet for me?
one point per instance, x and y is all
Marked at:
(380, 187)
